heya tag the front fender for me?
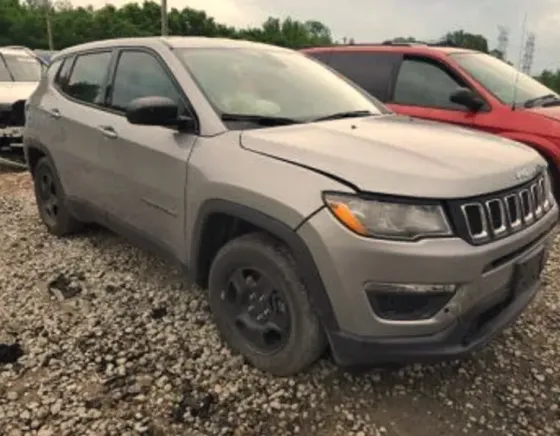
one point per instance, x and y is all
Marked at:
(545, 147)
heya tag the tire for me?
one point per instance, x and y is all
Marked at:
(302, 342)
(51, 200)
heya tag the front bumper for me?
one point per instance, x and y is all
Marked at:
(12, 135)
(12, 122)
(482, 306)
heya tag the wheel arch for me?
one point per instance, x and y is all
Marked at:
(33, 151)
(209, 223)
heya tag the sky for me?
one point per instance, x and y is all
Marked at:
(377, 20)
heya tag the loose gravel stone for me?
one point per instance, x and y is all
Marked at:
(115, 342)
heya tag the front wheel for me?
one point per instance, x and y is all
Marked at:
(261, 307)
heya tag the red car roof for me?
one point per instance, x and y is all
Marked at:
(417, 49)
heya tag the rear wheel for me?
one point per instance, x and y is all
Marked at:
(51, 200)
(261, 307)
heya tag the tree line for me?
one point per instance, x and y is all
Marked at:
(23, 22)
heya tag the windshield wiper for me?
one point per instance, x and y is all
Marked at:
(543, 99)
(262, 120)
(349, 114)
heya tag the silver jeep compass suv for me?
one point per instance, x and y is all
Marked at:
(313, 215)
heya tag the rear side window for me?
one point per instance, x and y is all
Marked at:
(88, 77)
(62, 79)
(372, 71)
(424, 83)
(139, 74)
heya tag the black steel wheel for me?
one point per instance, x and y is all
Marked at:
(261, 306)
(51, 200)
(257, 308)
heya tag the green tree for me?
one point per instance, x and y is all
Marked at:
(468, 40)
(551, 79)
(23, 22)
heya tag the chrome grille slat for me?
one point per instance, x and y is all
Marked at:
(506, 213)
(514, 211)
(497, 216)
(478, 231)
(526, 206)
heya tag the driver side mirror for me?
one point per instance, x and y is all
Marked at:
(466, 97)
(158, 111)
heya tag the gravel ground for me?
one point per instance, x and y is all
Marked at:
(114, 342)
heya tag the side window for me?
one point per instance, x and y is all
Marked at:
(87, 77)
(139, 74)
(62, 79)
(53, 69)
(421, 83)
(321, 56)
(371, 71)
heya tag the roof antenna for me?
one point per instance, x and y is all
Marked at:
(523, 30)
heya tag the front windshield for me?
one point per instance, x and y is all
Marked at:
(273, 83)
(498, 77)
(19, 68)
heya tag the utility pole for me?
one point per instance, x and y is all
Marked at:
(503, 40)
(47, 7)
(163, 17)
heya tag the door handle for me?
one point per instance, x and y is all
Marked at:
(54, 113)
(108, 132)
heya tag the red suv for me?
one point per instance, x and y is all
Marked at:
(454, 85)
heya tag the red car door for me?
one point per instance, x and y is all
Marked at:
(423, 87)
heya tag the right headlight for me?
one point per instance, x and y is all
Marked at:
(387, 219)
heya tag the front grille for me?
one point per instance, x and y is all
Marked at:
(484, 219)
(5, 117)
(12, 115)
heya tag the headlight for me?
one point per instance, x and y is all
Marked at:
(389, 220)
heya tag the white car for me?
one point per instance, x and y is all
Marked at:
(20, 72)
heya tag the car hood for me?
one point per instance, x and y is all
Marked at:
(10, 92)
(400, 155)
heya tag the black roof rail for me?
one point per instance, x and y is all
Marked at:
(444, 43)
(403, 43)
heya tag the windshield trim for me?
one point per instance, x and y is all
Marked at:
(177, 51)
(513, 104)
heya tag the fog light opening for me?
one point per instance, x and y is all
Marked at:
(408, 302)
